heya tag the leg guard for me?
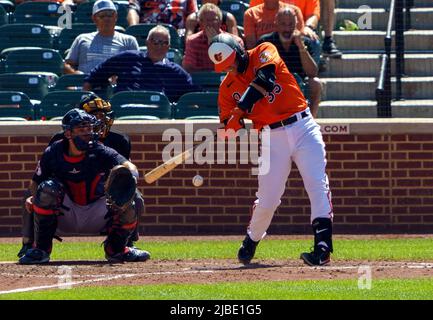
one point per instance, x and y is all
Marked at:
(46, 205)
(121, 226)
(322, 228)
(139, 209)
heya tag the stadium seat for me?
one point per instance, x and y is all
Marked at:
(57, 103)
(83, 14)
(70, 82)
(47, 60)
(15, 104)
(195, 104)
(140, 32)
(138, 118)
(147, 103)
(46, 13)
(236, 8)
(4, 16)
(24, 35)
(8, 5)
(209, 81)
(34, 86)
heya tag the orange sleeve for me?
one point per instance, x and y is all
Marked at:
(249, 23)
(312, 8)
(264, 54)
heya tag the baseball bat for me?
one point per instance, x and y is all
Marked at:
(170, 164)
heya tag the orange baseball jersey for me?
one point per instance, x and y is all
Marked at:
(285, 99)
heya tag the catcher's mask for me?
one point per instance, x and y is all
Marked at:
(84, 136)
(101, 109)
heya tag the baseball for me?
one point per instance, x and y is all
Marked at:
(197, 181)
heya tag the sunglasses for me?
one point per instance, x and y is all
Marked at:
(159, 42)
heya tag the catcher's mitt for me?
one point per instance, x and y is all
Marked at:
(120, 188)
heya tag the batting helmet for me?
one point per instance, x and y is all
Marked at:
(93, 104)
(224, 50)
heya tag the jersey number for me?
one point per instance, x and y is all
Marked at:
(271, 95)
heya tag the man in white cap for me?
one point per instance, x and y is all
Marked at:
(90, 49)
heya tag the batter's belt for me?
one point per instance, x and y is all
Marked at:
(289, 120)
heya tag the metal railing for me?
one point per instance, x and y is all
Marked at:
(384, 89)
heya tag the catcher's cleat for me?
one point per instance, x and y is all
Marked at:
(320, 256)
(129, 255)
(247, 250)
(26, 247)
(35, 256)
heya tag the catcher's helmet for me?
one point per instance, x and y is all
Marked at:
(76, 117)
(93, 104)
(224, 50)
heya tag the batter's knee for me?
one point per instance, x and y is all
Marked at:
(49, 197)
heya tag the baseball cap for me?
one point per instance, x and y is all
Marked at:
(101, 5)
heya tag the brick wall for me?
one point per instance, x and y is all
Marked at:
(380, 173)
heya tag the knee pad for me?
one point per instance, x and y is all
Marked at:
(49, 197)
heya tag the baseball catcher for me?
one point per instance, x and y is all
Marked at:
(259, 87)
(120, 142)
(74, 191)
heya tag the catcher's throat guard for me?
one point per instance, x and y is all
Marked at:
(120, 188)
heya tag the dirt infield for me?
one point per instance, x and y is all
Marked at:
(86, 273)
(18, 278)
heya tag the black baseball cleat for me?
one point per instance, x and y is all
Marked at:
(129, 255)
(247, 250)
(318, 257)
(26, 247)
(35, 256)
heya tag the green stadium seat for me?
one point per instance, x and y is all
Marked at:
(17, 105)
(46, 13)
(57, 103)
(34, 86)
(24, 35)
(195, 104)
(47, 60)
(209, 81)
(147, 103)
(8, 6)
(83, 14)
(140, 32)
(4, 16)
(236, 8)
(70, 82)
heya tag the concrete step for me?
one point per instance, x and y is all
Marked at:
(377, 3)
(368, 109)
(364, 88)
(421, 18)
(368, 65)
(365, 41)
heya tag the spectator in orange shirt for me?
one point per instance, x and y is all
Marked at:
(260, 20)
(196, 57)
(228, 23)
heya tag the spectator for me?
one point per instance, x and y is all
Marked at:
(135, 70)
(329, 48)
(90, 49)
(172, 12)
(228, 22)
(260, 20)
(196, 57)
(295, 55)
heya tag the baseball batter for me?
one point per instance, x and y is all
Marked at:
(259, 87)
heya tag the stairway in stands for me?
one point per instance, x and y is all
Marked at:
(350, 82)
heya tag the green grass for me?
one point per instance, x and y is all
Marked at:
(276, 290)
(413, 249)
